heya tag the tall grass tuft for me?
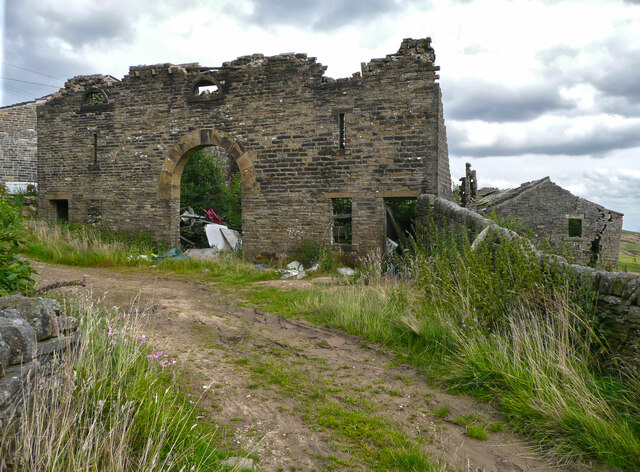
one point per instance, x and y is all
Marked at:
(83, 245)
(115, 408)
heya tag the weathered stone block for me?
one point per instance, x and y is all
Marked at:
(19, 335)
(5, 353)
(41, 313)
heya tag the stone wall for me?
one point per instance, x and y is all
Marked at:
(18, 143)
(546, 209)
(618, 292)
(32, 332)
(114, 150)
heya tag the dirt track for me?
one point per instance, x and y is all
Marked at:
(219, 343)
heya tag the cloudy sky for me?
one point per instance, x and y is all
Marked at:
(531, 88)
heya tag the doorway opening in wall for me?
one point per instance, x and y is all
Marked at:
(341, 236)
(210, 194)
(400, 218)
(61, 209)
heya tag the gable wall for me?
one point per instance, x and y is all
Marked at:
(545, 209)
(281, 114)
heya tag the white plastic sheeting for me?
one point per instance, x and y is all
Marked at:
(222, 238)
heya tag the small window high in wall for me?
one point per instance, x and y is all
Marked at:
(206, 87)
(61, 208)
(575, 227)
(341, 208)
(343, 133)
(95, 97)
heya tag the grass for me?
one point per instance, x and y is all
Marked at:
(442, 412)
(124, 411)
(477, 431)
(491, 323)
(629, 258)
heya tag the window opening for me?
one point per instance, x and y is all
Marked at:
(343, 140)
(95, 98)
(206, 87)
(95, 149)
(575, 228)
(342, 233)
(62, 210)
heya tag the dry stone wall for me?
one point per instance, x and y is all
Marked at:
(32, 332)
(618, 292)
(114, 150)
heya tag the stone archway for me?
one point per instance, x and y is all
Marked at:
(178, 156)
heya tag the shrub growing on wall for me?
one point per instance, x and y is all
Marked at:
(207, 183)
(15, 274)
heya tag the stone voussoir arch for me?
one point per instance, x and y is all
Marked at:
(180, 153)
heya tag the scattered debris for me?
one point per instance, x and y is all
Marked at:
(204, 253)
(346, 271)
(294, 269)
(196, 229)
(174, 253)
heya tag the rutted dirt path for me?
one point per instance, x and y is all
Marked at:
(229, 351)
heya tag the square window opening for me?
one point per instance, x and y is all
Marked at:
(61, 208)
(342, 229)
(575, 228)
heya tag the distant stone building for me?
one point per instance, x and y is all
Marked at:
(318, 157)
(554, 215)
(19, 144)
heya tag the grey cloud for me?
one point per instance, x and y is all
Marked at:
(34, 29)
(600, 141)
(471, 100)
(612, 71)
(316, 14)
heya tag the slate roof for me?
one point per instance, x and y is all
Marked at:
(491, 196)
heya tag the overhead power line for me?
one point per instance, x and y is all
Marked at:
(32, 83)
(34, 71)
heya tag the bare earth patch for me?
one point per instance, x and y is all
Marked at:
(248, 368)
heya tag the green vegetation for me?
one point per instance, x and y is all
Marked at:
(206, 183)
(490, 322)
(495, 324)
(124, 411)
(84, 245)
(15, 274)
(629, 258)
(477, 431)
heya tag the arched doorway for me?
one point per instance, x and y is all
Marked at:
(178, 156)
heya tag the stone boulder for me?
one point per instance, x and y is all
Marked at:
(41, 313)
(19, 335)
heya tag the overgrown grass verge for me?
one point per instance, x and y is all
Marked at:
(117, 408)
(538, 360)
(491, 322)
(83, 245)
(86, 246)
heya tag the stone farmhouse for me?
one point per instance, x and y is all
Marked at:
(589, 231)
(113, 151)
(19, 144)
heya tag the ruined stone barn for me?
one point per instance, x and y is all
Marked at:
(588, 231)
(112, 151)
(18, 144)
